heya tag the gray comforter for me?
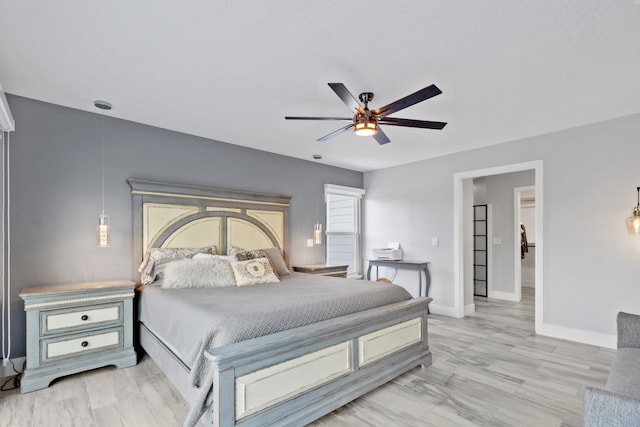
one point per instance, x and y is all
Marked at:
(193, 320)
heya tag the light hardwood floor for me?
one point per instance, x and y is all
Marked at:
(489, 369)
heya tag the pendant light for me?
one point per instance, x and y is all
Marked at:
(633, 222)
(317, 228)
(103, 220)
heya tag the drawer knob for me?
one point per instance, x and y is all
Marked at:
(84, 343)
(84, 317)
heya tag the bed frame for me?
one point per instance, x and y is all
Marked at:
(291, 377)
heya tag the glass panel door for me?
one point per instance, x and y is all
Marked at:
(480, 258)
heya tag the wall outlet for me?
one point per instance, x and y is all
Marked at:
(497, 240)
(310, 243)
(435, 241)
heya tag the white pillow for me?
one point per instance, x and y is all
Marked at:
(155, 255)
(209, 256)
(253, 272)
(198, 273)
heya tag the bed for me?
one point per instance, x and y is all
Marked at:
(342, 338)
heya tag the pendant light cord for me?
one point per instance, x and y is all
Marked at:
(6, 245)
(102, 161)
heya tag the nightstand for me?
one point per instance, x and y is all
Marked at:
(76, 327)
(323, 269)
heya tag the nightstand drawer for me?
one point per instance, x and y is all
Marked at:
(55, 348)
(60, 321)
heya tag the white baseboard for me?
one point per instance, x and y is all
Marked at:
(561, 332)
(7, 370)
(580, 335)
(469, 309)
(506, 296)
(443, 310)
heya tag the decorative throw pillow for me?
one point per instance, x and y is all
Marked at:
(277, 262)
(198, 273)
(232, 250)
(253, 272)
(245, 255)
(156, 254)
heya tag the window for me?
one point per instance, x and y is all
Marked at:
(343, 226)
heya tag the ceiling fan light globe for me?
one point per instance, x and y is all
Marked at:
(366, 128)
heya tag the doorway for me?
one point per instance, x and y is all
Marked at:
(463, 201)
(524, 214)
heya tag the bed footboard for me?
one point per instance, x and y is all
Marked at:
(297, 376)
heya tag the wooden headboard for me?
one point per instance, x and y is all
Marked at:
(189, 216)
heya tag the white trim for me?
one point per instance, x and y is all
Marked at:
(469, 309)
(7, 124)
(580, 335)
(506, 296)
(443, 310)
(539, 284)
(458, 244)
(345, 191)
(458, 247)
(356, 194)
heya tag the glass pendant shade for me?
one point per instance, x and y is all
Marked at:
(317, 234)
(633, 222)
(103, 231)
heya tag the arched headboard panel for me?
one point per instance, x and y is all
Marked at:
(178, 216)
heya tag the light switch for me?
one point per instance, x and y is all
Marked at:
(497, 240)
(310, 243)
(435, 241)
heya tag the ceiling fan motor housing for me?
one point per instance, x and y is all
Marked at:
(366, 97)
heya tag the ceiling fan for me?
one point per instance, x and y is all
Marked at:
(366, 121)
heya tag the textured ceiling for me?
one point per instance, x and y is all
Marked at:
(231, 70)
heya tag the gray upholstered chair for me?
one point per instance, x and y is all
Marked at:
(618, 403)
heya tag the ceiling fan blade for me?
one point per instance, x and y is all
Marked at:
(424, 124)
(346, 96)
(317, 118)
(336, 132)
(381, 137)
(408, 101)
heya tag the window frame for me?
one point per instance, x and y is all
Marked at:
(357, 194)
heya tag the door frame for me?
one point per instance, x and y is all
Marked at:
(459, 207)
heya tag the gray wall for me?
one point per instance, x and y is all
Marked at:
(591, 266)
(497, 191)
(56, 191)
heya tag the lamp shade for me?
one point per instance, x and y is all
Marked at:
(633, 222)
(366, 127)
(103, 231)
